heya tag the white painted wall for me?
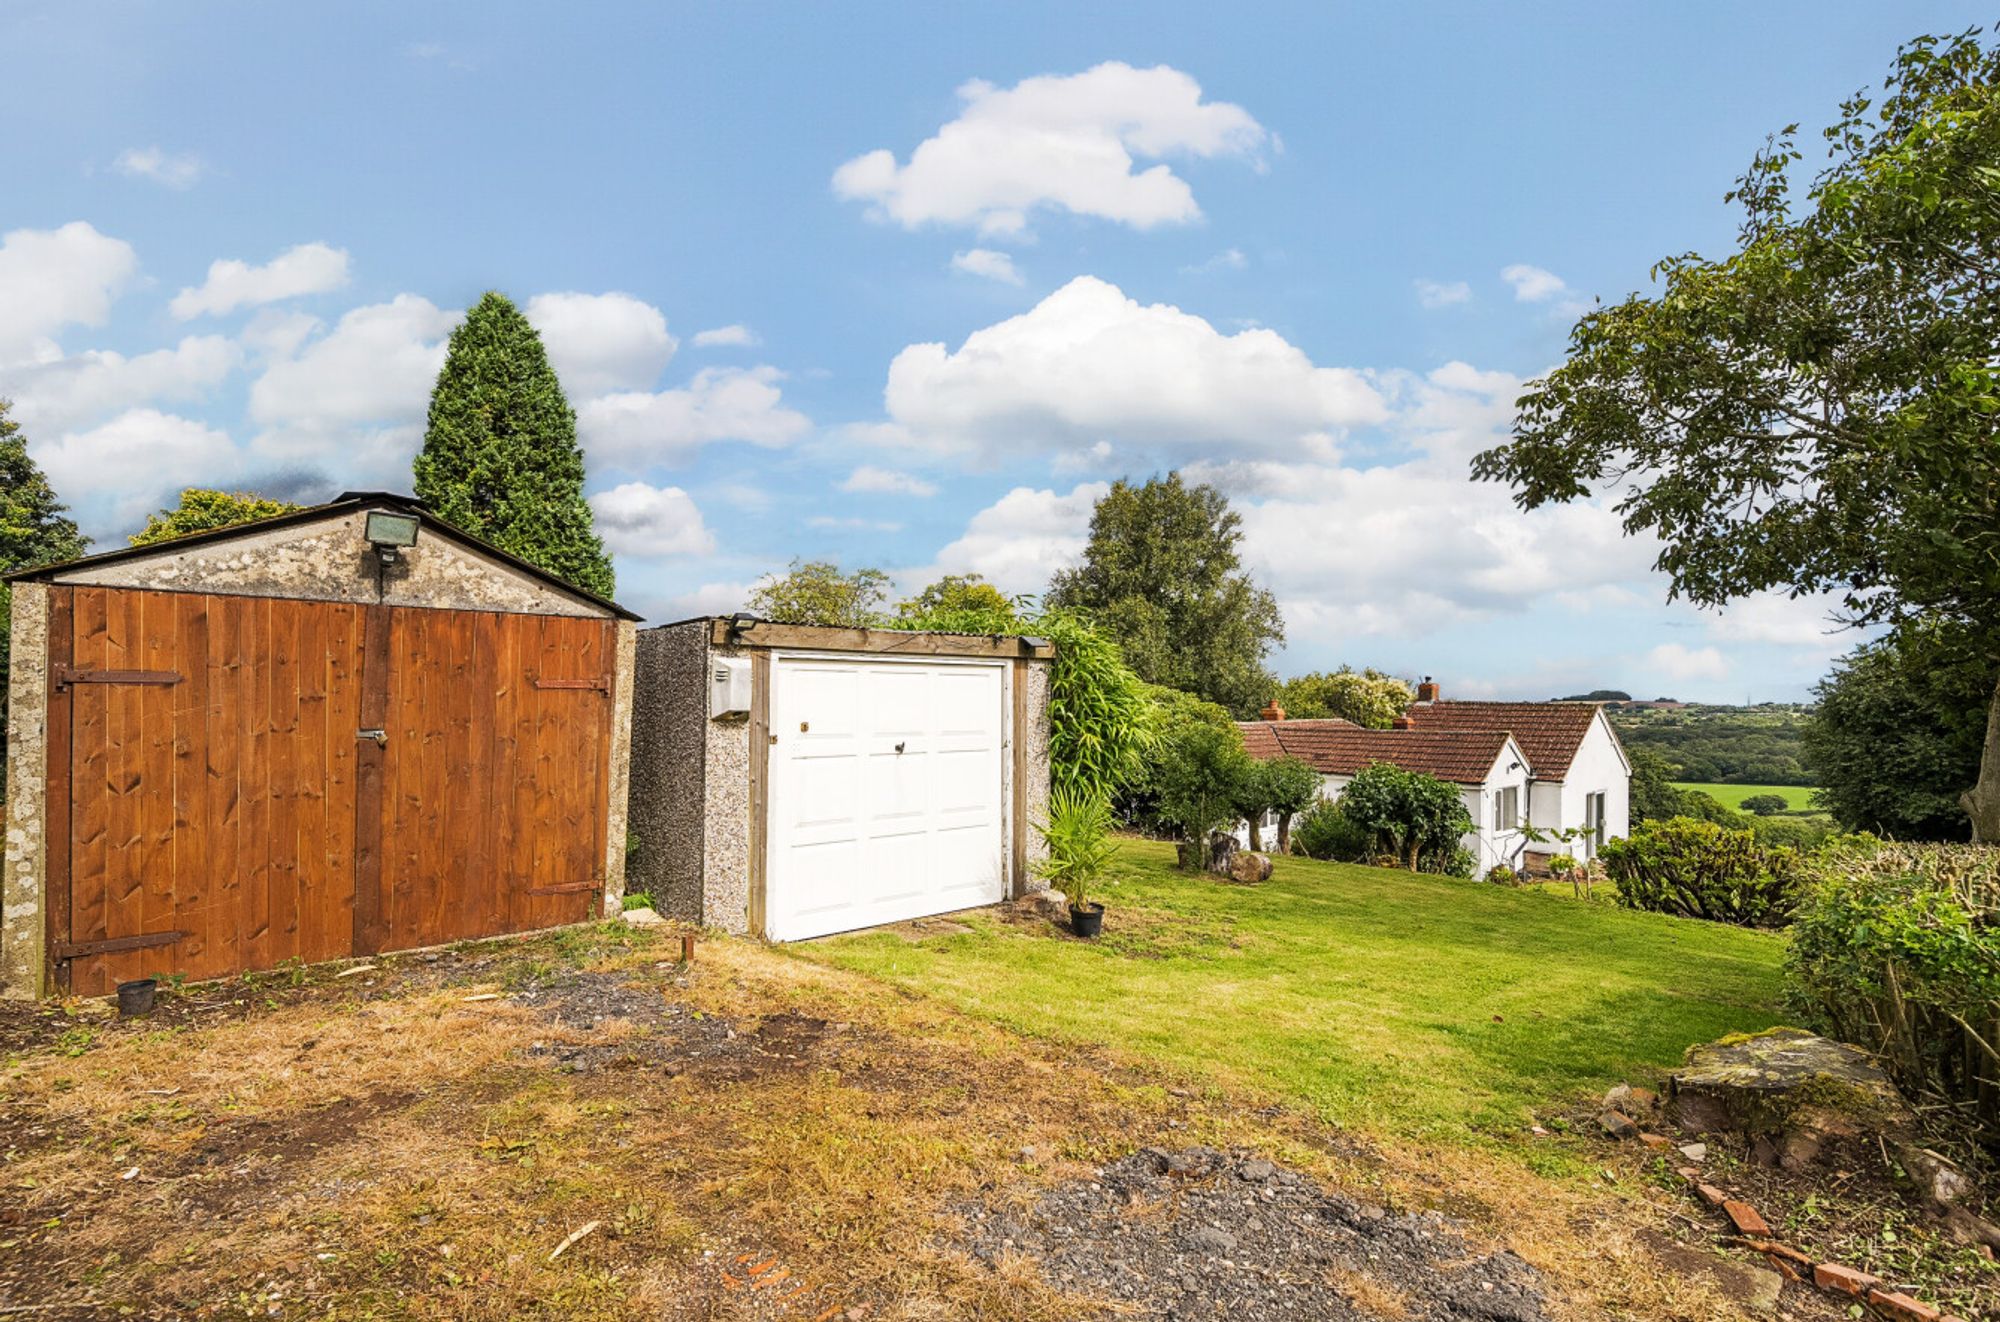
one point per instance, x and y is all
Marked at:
(1599, 769)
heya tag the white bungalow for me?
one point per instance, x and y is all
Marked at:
(1538, 778)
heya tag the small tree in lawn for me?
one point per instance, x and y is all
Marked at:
(1286, 787)
(1201, 783)
(201, 509)
(1413, 812)
(500, 458)
(1765, 805)
(817, 592)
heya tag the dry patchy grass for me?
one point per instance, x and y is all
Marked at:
(755, 1137)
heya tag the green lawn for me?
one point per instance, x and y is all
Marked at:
(1412, 1005)
(1798, 798)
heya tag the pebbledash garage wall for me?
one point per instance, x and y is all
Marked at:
(702, 807)
(507, 705)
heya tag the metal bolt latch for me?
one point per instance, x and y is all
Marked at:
(381, 737)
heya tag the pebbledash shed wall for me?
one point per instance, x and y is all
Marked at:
(319, 555)
(699, 836)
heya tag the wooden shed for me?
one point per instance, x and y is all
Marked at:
(337, 732)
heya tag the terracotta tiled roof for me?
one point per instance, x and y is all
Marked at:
(1548, 732)
(1336, 748)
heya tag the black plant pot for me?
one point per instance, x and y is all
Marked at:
(135, 999)
(1086, 919)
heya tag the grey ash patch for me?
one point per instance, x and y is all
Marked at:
(1204, 1234)
(656, 1032)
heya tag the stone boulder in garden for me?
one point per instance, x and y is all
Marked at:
(1785, 1090)
(1247, 867)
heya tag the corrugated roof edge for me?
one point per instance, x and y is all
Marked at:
(341, 504)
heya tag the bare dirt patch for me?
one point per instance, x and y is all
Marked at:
(1202, 1233)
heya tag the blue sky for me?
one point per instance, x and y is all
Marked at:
(903, 285)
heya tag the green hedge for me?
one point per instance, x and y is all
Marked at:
(1700, 870)
(1896, 948)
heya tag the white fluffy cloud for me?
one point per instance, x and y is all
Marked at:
(600, 343)
(635, 428)
(1809, 624)
(735, 336)
(1410, 543)
(176, 170)
(353, 400)
(987, 264)
(1438, 294)
(50, 279)
(1532, 284)
(1017, 542)
(1058, 142)
(869, 478)
(310, 268)
(650, 523)
(66, 393)
(1088, 363)
(148, 455)
(1677, 661)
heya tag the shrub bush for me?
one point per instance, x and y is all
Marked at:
(1896, 948)
(1804, 834)
(1502, 875)
(1699, 870)
(1201, 782)
(1765, 805)
(1324, 831)
(1453, 860)
(1411, 813)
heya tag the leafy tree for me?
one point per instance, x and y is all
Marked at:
(1167, 710)
(201, 509)
(1654, 796)
(1369, 698)
(1764, 805)
(1201, 784)
(500, 457)
(961, 597)
(1896, 735)
(817, 592)
(1291, 786)
(1414, 813)
(34, 530)
(1162, 575)
(1815, 411)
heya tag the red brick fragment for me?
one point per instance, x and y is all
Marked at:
(1656, 1140)
(1770, 1248)
(1746, 1218)
(1692, 1174)
(1711, 1195)
(1904, 1308)
(1847, 1280)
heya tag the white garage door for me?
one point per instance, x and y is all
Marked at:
(887, 792)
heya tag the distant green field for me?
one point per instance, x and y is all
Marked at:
(1797, 797)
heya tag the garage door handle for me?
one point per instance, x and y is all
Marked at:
(381, 737)
(899, 748)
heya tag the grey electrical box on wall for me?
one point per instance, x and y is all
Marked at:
(729, 687)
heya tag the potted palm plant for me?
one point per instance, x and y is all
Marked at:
(1078, 836)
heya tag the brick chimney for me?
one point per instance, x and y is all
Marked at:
(1428, 690)
(1272, 711)
(1402, 723)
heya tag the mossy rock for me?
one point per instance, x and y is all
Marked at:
(1787, 1086)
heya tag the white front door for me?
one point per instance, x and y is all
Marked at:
(887, 796)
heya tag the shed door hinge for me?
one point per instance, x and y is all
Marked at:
(78, 949)
(66, 675)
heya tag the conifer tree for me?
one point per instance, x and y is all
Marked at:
(500, 457)
(34, 530)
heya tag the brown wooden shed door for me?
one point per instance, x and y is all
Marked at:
(205, 753)
(499, 732)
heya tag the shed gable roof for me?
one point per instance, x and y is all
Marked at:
(1338, 748)
(349, 503)
(1549, 732)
